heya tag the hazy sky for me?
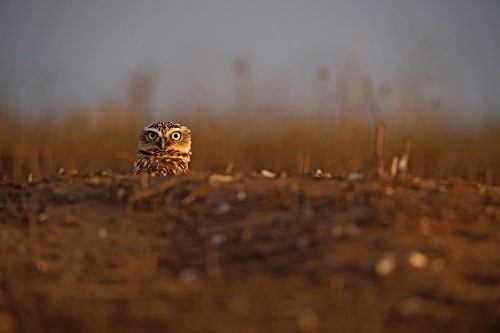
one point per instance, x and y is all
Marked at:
(85, 50)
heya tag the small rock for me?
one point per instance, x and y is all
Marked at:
(218, 238)
(302, 243)
(355, 176)
(389, 191)
(285, 174)
(267, 173)
(120, 193)
(417, 259)
(43, 217)
(189, 275)
(385, 265)
(442, 189)
(222, 207)
(241, 195)
(320, 174)
(58, 191)
(102, 233)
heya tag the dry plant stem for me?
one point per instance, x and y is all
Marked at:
(303, 159)
(394, 166)
(405, 156)
(379, 149)
(150, 192)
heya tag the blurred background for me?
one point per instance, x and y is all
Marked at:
(282, 84)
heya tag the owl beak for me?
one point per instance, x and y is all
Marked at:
(162, 144)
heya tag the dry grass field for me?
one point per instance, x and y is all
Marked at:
(87, 247)
(106, 139)
(335, 133)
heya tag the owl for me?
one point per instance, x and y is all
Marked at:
(164, 148)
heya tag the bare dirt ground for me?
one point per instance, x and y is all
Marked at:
(246, 253)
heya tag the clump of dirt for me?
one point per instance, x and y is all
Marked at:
(248, 253)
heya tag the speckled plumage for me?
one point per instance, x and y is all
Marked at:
(164, 148)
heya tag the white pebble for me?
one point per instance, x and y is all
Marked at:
(42, 217)
(102, 233)
(222, 207)
(417, 259)
(189, 275)
(218, 238)
(385, 265)
(241, 195)
(356, 176)
(267, 173)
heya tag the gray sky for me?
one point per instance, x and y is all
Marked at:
(84, 51)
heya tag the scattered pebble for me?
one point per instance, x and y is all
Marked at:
(218, 238)
(417, 259)
(285, 174)
(389, 191)
(385, 265)
(356, 176)
(320, 174)
(442, 189)
(303, 243)
(102, 233)
(241, 195)
(222, 207)
(43, 217)
(340, 230)
(120, 193)
(58, 191)
(189, 275)
(267, 173)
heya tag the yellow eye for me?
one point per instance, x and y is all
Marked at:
(176, 136)
(151, 135)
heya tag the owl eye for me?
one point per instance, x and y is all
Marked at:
(176, 136)
(151, 135)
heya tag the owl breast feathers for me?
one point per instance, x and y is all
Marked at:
(164, 148)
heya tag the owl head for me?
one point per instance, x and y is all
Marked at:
(164, 148)
(165, 139)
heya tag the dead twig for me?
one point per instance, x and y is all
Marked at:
(150, 192)
(380, 149)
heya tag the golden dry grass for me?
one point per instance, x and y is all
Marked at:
(338, 137)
